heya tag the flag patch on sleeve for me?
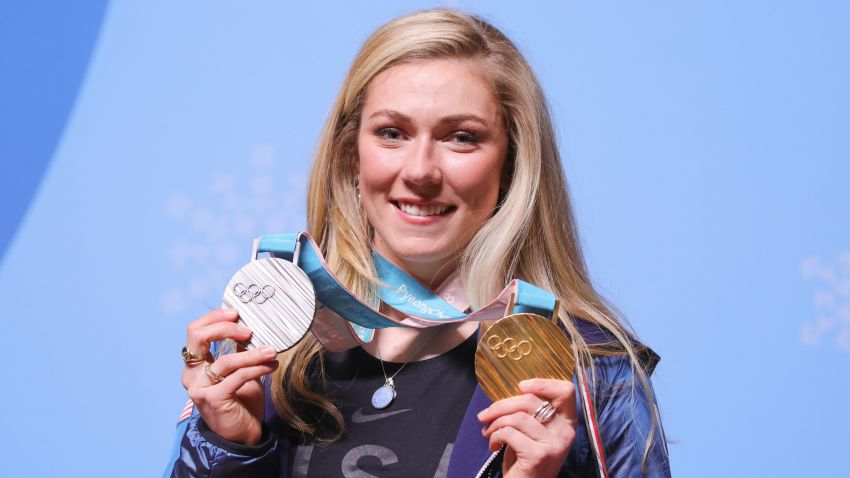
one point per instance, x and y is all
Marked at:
(187, 410)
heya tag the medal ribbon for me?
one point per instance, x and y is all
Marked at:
(341, 313)
(422, 307)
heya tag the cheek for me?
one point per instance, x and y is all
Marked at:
(478, 182)
(375, 168)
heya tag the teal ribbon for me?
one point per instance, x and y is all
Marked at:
(400, 291)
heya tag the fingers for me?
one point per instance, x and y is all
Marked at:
(560, 393)
(233, 382)
(506, 418)
(513, 438)
(519, 421)
(236, 370)
(226, 365)
(526, 403)
(199, 377)
(217, 325)
(216, 315)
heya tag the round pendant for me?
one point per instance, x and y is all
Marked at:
(275, 299)
(519, 347)
(383, 397)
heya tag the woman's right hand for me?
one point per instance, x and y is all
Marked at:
(233, 406)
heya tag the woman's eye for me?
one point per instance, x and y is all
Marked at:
(465, 137)
(392, 134)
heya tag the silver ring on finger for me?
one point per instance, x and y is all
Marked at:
(544, 412)
(214, 377)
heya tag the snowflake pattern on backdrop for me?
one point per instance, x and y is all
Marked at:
(831, 301)
(215, 230)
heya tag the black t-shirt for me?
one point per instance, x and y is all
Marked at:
(412, 437)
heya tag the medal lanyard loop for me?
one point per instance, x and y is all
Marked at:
(400, 291)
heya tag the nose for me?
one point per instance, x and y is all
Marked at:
(422, 165)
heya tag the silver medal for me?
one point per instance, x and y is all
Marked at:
(275, 299)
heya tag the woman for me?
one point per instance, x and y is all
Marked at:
(439, 154)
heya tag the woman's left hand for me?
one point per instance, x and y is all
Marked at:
(535, 449)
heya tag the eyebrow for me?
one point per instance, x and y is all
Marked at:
(396, 115)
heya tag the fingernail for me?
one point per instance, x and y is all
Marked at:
(268, 350)
(243, 329)
(230, 312)
(526, 383)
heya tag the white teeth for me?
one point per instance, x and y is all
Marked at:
(414, 210)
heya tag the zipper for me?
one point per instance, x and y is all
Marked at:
(484, 469)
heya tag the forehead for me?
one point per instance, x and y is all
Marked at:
(428, 87)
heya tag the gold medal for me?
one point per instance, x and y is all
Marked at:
(520, 347)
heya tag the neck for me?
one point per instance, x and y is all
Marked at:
(400, 344)
(430, 273)
(403, 344)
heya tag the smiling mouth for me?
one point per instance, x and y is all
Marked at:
(423, 210)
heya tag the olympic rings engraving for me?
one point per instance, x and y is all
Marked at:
(253, 293)
(509, 347)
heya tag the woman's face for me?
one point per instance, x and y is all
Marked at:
(432, 148)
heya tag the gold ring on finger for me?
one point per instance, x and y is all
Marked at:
(214, 377)
(191, 358)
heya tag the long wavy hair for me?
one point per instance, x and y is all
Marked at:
(531, 236)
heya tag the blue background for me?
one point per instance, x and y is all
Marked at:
(144, 145)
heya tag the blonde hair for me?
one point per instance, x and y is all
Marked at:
(538, 244)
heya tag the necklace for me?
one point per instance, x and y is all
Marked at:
(386, 393)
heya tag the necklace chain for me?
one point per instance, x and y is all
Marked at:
(390, 379)
(386, 393)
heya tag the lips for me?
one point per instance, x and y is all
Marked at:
(423, 210)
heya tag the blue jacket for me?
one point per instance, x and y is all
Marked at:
(623, 414)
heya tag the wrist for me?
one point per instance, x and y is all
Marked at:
(251, 445)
